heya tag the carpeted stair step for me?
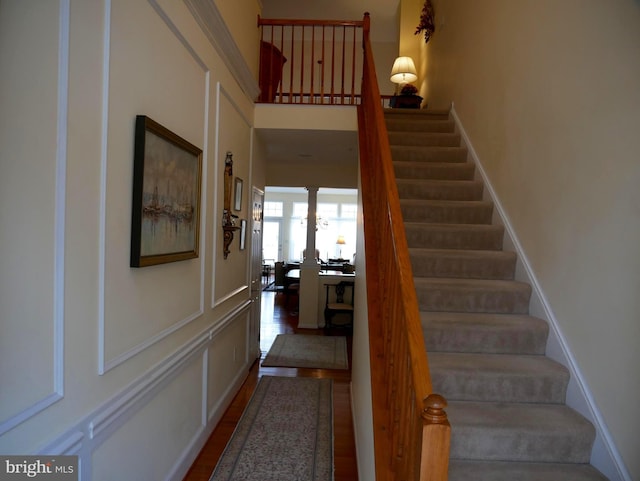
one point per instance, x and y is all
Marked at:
(454, 236)
(460, 470)
(434, 170)
(440, 189)
(462, 263)
(416, 153)
(529, 432)
(498, 377)
(419, 125)
(446, 211)
(488, 333)
(472, 295)
(416, 114)
(442, 139)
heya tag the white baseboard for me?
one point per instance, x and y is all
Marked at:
(604, 455)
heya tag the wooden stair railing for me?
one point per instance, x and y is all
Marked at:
(309, 61)
(411, 430)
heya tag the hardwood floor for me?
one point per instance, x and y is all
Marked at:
(279, 318)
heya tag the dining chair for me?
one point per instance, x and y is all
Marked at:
(339, 301)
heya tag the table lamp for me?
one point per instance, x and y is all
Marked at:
(403, 71)
(340, 242)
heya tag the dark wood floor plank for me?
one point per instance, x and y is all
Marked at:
(279, 318)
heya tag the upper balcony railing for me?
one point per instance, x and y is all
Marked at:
(310, 61)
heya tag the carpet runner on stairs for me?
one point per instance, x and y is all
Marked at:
(506, 399)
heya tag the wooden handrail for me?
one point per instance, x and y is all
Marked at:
(411, 430)
(308, 23)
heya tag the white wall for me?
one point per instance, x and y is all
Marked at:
(548, 94)
(96, 358)
(362, 404)
(326, 135)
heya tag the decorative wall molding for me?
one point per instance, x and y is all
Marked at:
(129, 398)
(212, 24)
(181, 467)
(221, 92)
(105, 365)
(605, 456)
(228, 296)
(216, 206)
(88, 434)
(69, 444)
(59, 229)
(102, 216)
(205, 136)
(116, 361)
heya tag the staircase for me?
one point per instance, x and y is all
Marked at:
(486, 354)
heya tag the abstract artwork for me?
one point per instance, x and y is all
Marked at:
(167, 174)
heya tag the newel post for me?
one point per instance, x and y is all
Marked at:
(436, 440)
(366, 22)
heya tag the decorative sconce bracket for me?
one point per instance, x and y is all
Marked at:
(228, 219)
(228, 237)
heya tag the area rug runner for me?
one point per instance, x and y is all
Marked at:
(299, 350)
(284, 434)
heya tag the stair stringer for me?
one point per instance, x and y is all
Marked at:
(604, 455)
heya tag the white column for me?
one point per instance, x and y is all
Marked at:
(309, 269)
(312, 209)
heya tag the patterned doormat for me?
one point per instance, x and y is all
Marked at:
(316, 352)
(284, 434)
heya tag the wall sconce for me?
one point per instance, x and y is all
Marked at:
(403, 71)
(228, 219)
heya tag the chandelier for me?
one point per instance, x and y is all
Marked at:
(321, 223)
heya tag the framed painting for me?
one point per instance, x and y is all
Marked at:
(167, 174)
(237, 194)
(243, 234)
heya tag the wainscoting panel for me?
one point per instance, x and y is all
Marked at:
(170, 419)
(32, 209)
(164, 410)
(233, 134)
(228, 355)
(152, 302)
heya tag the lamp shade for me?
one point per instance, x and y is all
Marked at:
(341, 240)
(403, 71)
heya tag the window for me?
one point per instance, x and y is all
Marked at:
(271, 230)
(327, 211)
(300, 210)
(349, 211)
(288, 208)
(271, 248)
(273, 209)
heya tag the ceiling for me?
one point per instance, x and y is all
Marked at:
(299, 147)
